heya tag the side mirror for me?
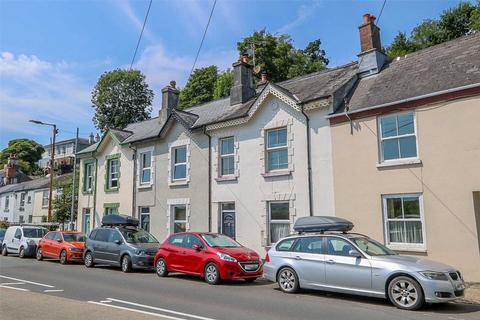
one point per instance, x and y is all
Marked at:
(19, 237)
(59, 240)
(196, 247)
(118, 242)
(354, 253)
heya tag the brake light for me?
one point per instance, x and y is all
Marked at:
(267, 258)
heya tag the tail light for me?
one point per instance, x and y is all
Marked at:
(267, 258)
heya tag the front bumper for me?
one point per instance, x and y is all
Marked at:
(443, 291)
(75, 256)
(142, 262)
(234, 270)
(31, 250)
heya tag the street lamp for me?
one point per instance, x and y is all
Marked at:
(50, 189)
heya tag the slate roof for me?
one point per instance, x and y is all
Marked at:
(144, 129)
(39, 183)
(90, 148)
(449, 65)
(18, 174)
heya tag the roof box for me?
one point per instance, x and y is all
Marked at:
(119, 220)
(321, 224)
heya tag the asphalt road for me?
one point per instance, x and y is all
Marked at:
(186, 297)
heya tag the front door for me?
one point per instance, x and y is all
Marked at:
(175, 251)
(228, 219)
(86, 221)
(344, 271)
(15, 245)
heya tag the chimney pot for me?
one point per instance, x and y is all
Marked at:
(173, 84)
(245, 58)
(264, 76)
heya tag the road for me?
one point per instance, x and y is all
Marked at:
(186, 297)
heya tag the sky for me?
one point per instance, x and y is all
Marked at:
(53, 52)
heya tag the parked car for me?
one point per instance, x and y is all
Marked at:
(213, 256)
(63, 245)
(340, 261)
(2, 235)
(22, 240)
(119, 242)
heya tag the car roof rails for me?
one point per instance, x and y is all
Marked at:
(320, 224)
(119, 220)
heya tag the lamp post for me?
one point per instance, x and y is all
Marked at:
(50, 188)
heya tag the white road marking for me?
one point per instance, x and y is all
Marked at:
(31, 282)
(53, 290)
(105, 301)
(11, 283)
(160, 309)
(19, 289)
(136, 310)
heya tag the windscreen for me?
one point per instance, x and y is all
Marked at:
(372, 247)
(74, 237)
(137, 236)
(219, 240)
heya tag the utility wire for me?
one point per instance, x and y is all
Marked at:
(203, 38)
(381, 11)
(141, 33)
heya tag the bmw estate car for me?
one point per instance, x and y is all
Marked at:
(324, 256)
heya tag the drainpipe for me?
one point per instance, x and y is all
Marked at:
(209, 178)
(95, 195)
(134, 179)
(309, 162)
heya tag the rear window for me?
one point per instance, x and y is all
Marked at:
(92, 234)
(102, 235)
(177, 240)
(285, 245)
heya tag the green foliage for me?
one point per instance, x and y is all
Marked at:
(199, 87)
(121, 97)
(4, 224)
(28, 153)
(223, 84)
(277, 55)
(62, 202)
(453, 23)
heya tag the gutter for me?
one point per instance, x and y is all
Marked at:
(309, 163)
(437, 93)
(134, 180)
(95, 195)
(209, 178)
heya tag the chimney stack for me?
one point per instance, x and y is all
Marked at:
(169, 100)
(371, 58)
(97, 137)
(242, 89)
(91, 138)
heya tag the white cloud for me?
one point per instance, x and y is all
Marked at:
(303, 13)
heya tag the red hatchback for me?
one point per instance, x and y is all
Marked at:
(63, 245)
(213, 256)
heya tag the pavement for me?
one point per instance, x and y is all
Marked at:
(181, 297)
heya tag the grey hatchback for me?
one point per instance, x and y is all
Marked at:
(353, 263)
(122, 244)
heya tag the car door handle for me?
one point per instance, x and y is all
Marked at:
(330, 261)
(298, 258)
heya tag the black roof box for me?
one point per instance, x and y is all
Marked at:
(321, 224)
(119, 220)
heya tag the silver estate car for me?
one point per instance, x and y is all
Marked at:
(355, 264)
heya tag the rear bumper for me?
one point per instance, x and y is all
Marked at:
(31, 250)
(232, 270)
(269, 272)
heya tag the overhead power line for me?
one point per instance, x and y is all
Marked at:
(141, 33)
(203, 38)
(381, 11)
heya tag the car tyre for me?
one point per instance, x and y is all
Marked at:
(288, 280)
(21, 252)
(161, 268)
(405, 293)
(63, 257)
(39, 254)
(250, 280)
(89, 263)
(212, 274)
(4, 250)
(126, 263)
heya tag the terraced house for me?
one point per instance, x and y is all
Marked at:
(392, 146)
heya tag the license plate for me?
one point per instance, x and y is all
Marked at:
(250, 267)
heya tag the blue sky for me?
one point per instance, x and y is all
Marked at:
(52, 52)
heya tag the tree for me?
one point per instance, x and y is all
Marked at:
(400, 46)
(455, 22)
(199, 87)
(121, 97)
(277, 55)
(62, 202)
(223, 84)
(28, 152)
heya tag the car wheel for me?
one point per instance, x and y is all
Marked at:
(161, 268)
(405, 293)
(4, 250)
(212, 274)
(89, 260)
(250, 280)
(63, 257)
(288, 280)
(39, 255)
(21, 252)
(126, 263)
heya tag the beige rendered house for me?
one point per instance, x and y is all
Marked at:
(406, 152)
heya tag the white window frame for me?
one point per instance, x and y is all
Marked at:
(419, 247)
(7, 204)
(278, 148)
(175, 164)
(223, 156)
(141, 214)
(381, 138)
(111, 173)
(171, 203)
(174, 221)
(45, 199)
(270, 222)
(110, 210)
(88, 180)
(141, 168)
(23, 195)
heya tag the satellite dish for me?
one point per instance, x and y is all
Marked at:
(257, 69)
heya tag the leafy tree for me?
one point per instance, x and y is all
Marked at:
(455, 22)
(400, 46)
(121, 97)
(223, 84)
(475, 18)
(199, 87)
(62, 202)
(426, 34)
(28, 153)
(277, 55)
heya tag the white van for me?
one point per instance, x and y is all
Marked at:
(22, 240)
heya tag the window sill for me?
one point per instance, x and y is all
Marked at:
(398, 163)
(406, 248)
(279, 173)
(112, 190)
(226, 178)
(87, 192)
(145, 186)
(178, 183)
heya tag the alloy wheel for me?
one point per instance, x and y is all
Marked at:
(287, 280)
(39, 254)
(404, 293)
(88, 260)
(63, 257)
(212, 275)
(161, 267)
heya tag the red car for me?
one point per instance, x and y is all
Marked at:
(213, 256)
(63, 245)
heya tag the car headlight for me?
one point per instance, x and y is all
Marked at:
(75, 249)
(433, 275)
(140, 252)
(226, 257)
(30, 242)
